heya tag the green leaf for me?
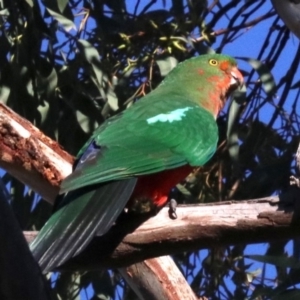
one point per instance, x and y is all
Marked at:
(93, 57)
(238, 96)
(232, 131)
(62, 5)
(52, 81)
(112, 100)
(183, 190)
(90, 52)
(4, 93)
(102, 285)
(85, 122)
(67, 286)
(67, 24)
(44, 110)
(264, 73)
(253, 275)
(48, 79)
(4, 12)
(166, 65)
(30, 2)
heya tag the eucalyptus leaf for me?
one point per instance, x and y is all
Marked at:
(265, 75)
(102, 285)
(92, 56)
(112, 100)
(166, 65)
(4, 12)
(232, 130)
(30, 3)
(4, 93)
(67, 24)
(67, 286)
(52, 82)
(62, 5)
(43, 109)
(85, 122)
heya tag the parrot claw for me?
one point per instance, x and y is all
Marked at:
(172, 209)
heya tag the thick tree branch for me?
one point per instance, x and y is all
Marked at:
(30, 156)
(197, 227)
(157, 278)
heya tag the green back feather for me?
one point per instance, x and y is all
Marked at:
(132, 146)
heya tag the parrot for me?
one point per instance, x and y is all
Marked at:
(133, 160)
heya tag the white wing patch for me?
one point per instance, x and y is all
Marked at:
(174, 115)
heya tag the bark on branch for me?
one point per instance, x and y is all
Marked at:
(157, 278)
(197, 227)
(30, 156)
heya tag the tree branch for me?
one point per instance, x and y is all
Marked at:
(132, 240)
(197, 227)
(157, 278)
(30, 156)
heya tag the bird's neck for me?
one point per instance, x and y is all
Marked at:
(211, 99)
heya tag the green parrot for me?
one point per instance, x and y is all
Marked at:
(134, 158)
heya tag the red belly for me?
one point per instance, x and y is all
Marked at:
(156, 187)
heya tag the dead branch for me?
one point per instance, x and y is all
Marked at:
(197, 227)
(157, 278)
(30, 156)
(24, 148)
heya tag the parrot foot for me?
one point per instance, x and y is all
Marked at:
(295, 181)
(172, 209)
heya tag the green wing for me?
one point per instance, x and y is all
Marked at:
(149, 137)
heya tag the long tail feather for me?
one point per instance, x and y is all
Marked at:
(69, 230)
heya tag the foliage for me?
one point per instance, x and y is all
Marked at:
(68, 65)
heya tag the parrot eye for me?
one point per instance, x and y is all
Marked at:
(213, 62)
